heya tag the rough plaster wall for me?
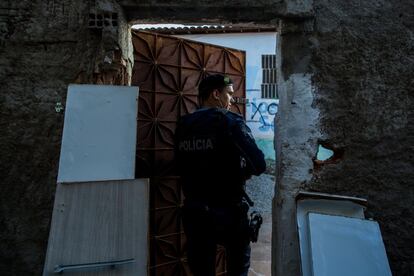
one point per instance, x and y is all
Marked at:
(364, 66)
(229, 11)
(44, 46)
(360, 55)
(296, 142)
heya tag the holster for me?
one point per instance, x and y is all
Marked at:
(255, 221)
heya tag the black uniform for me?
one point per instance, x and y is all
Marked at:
(215, 154)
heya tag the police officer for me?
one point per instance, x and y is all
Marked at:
(215, 154)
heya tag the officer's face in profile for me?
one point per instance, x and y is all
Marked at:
(226, 96)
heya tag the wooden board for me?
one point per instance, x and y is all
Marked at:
(100, 222)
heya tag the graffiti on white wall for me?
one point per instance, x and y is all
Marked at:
(260, 114)
(263, 112)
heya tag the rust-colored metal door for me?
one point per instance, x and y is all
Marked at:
(168, 70)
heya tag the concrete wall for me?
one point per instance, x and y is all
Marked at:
(346, 76)
(44, 46)
(365, 95)
(347, 84)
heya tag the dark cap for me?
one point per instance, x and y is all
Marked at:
(212, 82)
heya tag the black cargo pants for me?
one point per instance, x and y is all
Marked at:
(207, 226)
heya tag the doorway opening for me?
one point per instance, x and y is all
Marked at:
(157, 54)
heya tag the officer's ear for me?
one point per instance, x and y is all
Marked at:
(216, 94)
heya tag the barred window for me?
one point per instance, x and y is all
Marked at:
(269, 76)
(269, 61)
(269, 91)
(269, 81)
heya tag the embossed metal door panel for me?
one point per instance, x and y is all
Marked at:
(168, 71)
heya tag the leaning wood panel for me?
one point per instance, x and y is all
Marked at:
(95, 222)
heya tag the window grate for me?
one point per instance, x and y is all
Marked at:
(269, 81)
(269, 76)
(269, 91)
(269, 61)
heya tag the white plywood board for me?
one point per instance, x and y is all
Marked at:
(344, 246)
(324, 206)
(100, 222)
(99, 134)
